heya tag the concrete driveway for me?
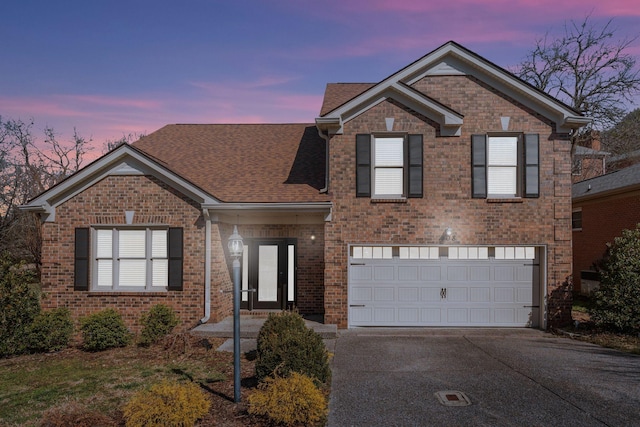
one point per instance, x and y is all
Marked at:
(510, 377)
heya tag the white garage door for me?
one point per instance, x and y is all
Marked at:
(435, 286)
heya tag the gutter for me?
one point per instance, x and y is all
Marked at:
(207, 266)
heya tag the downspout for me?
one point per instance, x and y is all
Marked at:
(207, 266)
(326, 162)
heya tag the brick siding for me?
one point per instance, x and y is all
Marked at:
(602, 221)
(447, 198)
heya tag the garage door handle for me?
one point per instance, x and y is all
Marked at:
(531, 306)
(443, 293)
(356, 305)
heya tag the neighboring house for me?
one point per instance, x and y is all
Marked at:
(588, 163)
(602, 208)
(440, 196)
(622, 161)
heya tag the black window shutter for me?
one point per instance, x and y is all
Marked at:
(531, 165)
(479, 166)
(81, 260)
(414, 169)
(175, 258)
(363, 165)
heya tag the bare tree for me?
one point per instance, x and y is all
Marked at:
(587, 68)
(624, 137)
(110, 144)
(28, 168)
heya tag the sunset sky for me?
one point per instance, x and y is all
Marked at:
(110, 68)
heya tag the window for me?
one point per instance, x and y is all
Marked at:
(505, 166)
(576, 219)
(129, 259)
(388, 166)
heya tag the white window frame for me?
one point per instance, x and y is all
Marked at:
(503, 167)
(390, 163)
(149, 263)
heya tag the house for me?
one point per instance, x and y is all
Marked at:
(588, 163)
(602, 208)
(439, 196)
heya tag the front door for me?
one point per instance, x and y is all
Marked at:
(269, 273)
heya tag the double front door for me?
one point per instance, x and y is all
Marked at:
(268, 273)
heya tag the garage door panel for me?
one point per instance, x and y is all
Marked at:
(408, 274)
(361, 294)
(442, 292)
(480, 294)
(386, 294)
(430, 294)
(361, 272)
(480, 316)
(383, 274)
(479, 273)
(408, 294)
(457, 273)
(503, 273)
(457, 294)
(431, 273)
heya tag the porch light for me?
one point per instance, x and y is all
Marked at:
(235, 244)
(448, 232)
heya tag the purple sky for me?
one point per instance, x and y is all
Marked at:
(112, 67)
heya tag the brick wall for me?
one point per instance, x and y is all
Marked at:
(447, 198)
(602, 221)
(153, 203)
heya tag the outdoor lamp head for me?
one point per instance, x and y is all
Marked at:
(235, 244)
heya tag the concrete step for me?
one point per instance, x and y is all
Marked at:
(250, 326)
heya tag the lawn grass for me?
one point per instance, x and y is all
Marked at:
(29, 385)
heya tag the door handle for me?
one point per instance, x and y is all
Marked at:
(443, 293)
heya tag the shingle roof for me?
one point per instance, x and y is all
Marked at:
(616, 181)
(250, 163)
(336, 94)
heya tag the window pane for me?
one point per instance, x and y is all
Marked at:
(291, 273)
(103, 243)
(502, 181)
(388, 181)
(133, 272)
(389, 152)
(160, 272)
(132, 243)
(503, 151)
(105, 272)
(159, 244)
(268, 273)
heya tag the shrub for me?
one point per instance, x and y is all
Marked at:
(104, 329)
(156, 323)
(19, 304)
(286, 345)
(167, 404)
(289, 401)
(618, 297)
(50, 330)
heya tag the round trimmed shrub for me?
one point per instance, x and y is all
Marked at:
(104, 329)
(294, 400)
(286, 345)
(618, 297)
(158, 322)
(51, 330)
(19, 304)
(167, 404)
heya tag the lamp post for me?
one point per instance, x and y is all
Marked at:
(235, 250)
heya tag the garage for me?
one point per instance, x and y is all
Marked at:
(456, 286)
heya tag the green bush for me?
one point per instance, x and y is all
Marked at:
(104, 329)
(157, 323)
(618, 297)
(19, 304)
(167, 404)
(289, 401)
(286, 345)
(51, 330)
